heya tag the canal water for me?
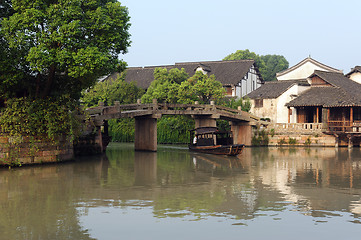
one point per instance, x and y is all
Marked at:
(265, 193)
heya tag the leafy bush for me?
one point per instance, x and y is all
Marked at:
(108, 92)
(174, 129)
(122, 130)
(282, 141)
(244, 103)
(260, 138)
(48, 118)
(308, 141)
(170, 129)
(292, 141)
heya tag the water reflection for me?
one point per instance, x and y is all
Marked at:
(55, 201)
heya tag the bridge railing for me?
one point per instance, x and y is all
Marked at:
(161, 106)
(137, 109)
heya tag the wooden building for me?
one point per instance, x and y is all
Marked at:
(333, 99)
(269, 101)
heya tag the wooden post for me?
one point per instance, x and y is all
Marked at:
(351, 118)
(289, 115)
(317, 114)
(328, 118)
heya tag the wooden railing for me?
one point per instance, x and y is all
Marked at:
(344, 126)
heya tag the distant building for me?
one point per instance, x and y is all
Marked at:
(355, 74)
(238, 77)
(304, 69)
(269, 101)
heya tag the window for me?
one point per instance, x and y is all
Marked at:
(258, 103)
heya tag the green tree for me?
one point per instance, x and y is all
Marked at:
(274, 64)
(108, 92)
(201, 87)
(244, 103)
(121, 130)
(60, 46)
(268, 65)
(246, 54)
(165, 86)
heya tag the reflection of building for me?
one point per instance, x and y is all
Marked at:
(315, 179)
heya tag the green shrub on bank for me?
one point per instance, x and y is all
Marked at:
(174, 129)
(170, 129)
(260, 138)
(49, 118)
(122, 130)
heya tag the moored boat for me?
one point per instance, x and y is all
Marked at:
(210, 140)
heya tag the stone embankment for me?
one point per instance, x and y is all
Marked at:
(25, 150)
(301, 134)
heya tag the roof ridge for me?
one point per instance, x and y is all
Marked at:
(303, 62)
(216, 61)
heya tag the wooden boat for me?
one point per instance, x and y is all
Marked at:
(210, 140)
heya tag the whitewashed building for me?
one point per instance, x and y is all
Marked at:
(269, 101)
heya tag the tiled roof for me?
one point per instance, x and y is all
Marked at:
(343, 92)
(321, 96)
(274, 89)
(226, 72)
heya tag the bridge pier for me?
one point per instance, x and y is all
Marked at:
(242, 133)
(145, 138)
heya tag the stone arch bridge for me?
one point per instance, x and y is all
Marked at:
(146, 116)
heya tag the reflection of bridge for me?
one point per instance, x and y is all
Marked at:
(146, 116)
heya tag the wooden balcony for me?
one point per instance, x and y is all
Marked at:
(344, 126)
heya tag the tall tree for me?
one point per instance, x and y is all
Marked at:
(165, 86)
(111, 91)
(61, 46)
(268, 65)
(201, 87)
(273, 65)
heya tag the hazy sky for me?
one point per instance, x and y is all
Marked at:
(167, 31)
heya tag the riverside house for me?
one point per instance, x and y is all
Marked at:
(238, 77)
(323, 108)
(333, 100)
(269, 101)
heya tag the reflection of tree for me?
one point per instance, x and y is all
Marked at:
(38, 204)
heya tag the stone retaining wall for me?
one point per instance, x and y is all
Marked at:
(24, 150)
(317, 140)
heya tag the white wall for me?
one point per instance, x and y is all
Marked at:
(356, 77)
(302, 72)
(286, 97)
(275, 109)
(249, 83)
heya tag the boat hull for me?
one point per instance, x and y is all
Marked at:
(230, 150)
